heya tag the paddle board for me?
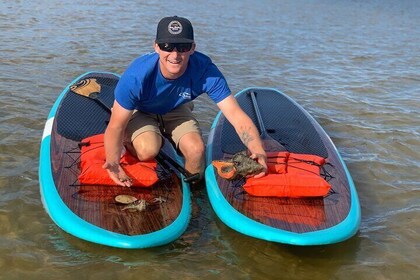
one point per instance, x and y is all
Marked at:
(90, 212)
(297, 221)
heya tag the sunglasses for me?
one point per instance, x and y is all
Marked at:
(181, 47)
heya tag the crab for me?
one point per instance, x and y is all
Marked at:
(159, 200)
(239, 166)
(138, 205)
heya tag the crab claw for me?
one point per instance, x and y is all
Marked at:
(225, 169)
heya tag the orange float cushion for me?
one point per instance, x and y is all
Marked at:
(92, 158)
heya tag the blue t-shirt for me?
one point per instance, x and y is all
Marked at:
(143, 87)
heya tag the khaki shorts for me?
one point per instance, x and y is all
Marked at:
(173, 125)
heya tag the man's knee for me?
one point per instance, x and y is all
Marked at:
(146, 147)
(196, 151)
(146, 153)
(192, 146)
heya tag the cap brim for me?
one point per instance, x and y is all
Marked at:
(174, 40)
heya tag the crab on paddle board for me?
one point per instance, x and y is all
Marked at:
(240, 165)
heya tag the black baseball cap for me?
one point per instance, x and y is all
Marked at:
(174, 30)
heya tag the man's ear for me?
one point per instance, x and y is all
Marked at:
(156, 47)
(193, 48)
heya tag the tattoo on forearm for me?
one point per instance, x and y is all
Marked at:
(246, 137)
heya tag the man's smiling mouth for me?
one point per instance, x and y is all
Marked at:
(174, 61)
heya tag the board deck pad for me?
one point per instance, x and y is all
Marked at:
(300, 221)
(90, 212)
(297, 133)
(89, 117)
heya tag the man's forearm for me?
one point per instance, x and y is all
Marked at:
(113, 140)
(249, 135)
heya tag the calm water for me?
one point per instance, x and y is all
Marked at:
(355, 65)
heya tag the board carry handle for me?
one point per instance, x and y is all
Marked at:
(269, 143)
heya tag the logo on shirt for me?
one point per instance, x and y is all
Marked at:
(175, 27)
(185, 95)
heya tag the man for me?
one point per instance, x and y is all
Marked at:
(151, 100)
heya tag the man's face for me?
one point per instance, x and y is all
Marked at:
(173, 58)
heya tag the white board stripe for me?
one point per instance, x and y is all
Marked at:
(48, 128)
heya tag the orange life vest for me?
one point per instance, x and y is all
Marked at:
(304, 164)
(277, 162)
(92, 158)
(290, 175)
(287, 185)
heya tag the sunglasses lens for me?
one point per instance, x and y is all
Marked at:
(166, 47)
(181, 47)
(184, 47)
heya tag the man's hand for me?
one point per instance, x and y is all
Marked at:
(261, 159)
(117, 174)
(246, 130)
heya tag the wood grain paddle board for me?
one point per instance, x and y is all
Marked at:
(298, 221)
(90, 212)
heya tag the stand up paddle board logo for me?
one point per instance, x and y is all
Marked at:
(87, 87)
(175, 27)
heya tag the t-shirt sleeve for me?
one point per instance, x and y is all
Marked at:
(127, 91)
(215, 84)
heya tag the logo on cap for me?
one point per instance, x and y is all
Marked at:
(175, 27)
